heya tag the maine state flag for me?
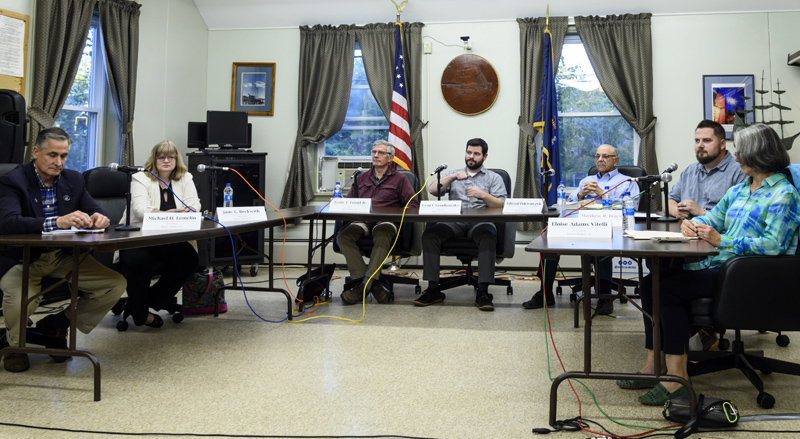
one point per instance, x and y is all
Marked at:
(546, 121)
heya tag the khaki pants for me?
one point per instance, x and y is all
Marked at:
(101, 288)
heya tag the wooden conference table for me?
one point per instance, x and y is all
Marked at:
(112, 240)
(619, 246)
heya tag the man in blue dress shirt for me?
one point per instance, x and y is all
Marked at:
(591, 187)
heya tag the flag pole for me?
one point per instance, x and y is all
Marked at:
(547, 18)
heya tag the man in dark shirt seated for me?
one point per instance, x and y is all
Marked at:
(42, 196)
(386, 187)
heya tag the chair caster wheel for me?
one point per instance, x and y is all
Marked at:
(559, 291)
(573, 297)
(724, 344)
(177, 317)
(782, 340)
(122, 326)
(623, 300)
(509, 291)
(417, 289)
(253, 270)
(765, 400)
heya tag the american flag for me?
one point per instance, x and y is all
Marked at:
(399, 133)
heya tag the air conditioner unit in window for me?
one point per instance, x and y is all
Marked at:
(333, 169)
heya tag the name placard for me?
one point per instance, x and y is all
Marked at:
(171, 221)
(523, 205)
(578, 228)
(350, 205)
(440, 207)
(241, 214)
(615, 216)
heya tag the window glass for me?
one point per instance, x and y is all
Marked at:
(81, 115)
(586, 117)
(364, 122)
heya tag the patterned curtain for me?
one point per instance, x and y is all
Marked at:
(531, 33)
(60, 34)
(620, 50)
(119, 24)
(377, 43)
(326, 74)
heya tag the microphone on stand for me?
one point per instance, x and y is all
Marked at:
(127, 227)
(549, 172)
(354, 188)
(203, 168)
(441, 168)
(123, 168)
(672, 167)
(665, 177)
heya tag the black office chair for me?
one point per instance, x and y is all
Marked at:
(108, 188)
(617, 284)
(754, 294)
(408, 244)
(466, 251)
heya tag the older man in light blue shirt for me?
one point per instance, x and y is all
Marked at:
(593, 186)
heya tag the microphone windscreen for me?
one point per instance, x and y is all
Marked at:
(113, 166)
(201, 168)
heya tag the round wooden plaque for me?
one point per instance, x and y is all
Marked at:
(469, 84)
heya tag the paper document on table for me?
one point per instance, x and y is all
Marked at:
(72, 231)
(644, 215)
(655, 234)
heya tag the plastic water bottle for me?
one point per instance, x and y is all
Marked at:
(628, 219)
(227, 196)
(561, 191)
(337, 190)
(607, 201)
(468, 183)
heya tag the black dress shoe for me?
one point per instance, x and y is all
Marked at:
(604, 307)
(54, 325)
(378, 291)
(537, 301)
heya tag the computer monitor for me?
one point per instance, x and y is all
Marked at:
(227, 129)
(196, 137)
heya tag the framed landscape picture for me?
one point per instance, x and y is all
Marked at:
(253, 88)
(726, 95)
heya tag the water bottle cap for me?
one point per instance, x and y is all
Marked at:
(626, 194)
(227, 184)
(606, 187)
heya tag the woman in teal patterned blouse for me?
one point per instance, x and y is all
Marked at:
(757, 217)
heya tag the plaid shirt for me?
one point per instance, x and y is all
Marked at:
(49, 202)
(762, 223)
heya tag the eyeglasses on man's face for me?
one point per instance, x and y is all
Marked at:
(166, 158)
(379, 153)
(604, 156)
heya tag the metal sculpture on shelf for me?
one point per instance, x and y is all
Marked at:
(761, 107)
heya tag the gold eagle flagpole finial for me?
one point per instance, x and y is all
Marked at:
(400, 7)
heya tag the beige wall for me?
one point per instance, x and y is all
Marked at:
(173, 67)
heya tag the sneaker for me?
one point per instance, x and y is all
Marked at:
(604, 307)
(537, 301)
(708, 338)
(54, 325)
(484, 302)
(380, 293)
(16, 362)
(429, 297)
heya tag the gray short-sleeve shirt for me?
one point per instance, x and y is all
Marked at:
(485, 179)
(707, 188)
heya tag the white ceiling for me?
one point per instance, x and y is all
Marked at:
(266, 14)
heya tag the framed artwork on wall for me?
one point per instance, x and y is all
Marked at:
(253, 88)
(726, 95)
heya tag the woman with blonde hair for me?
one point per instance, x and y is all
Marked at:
(174, 263)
